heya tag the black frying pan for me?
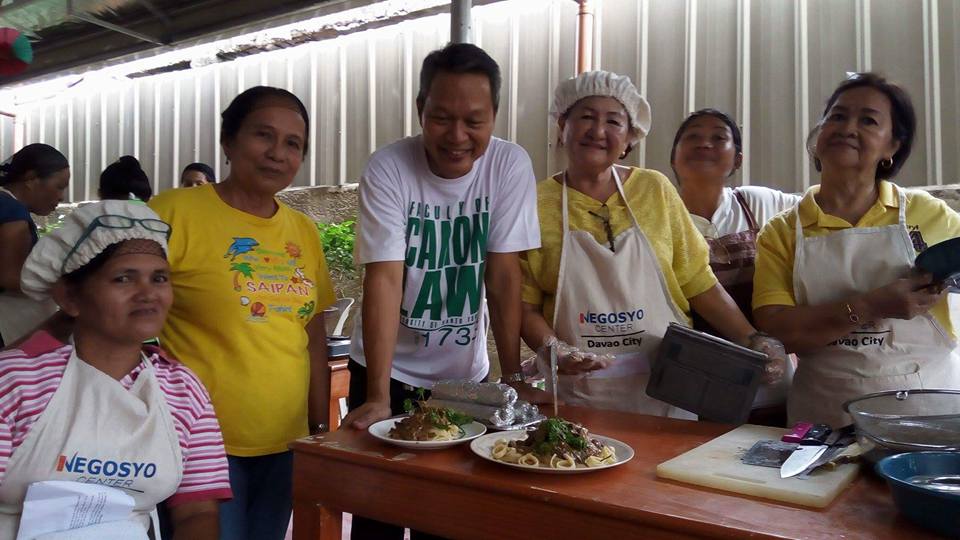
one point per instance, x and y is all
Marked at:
(943, 261)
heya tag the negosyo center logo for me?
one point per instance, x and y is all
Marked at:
(94, 470)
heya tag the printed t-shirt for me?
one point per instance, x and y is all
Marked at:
(244, 289)
(31, 374)
(681, 251)
(929, 222)
(442, 230)
(729, 217)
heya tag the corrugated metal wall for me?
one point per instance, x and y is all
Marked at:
(7, 130)
(770, 62)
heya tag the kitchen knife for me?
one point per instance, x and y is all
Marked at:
(811, 447)
(837, 443)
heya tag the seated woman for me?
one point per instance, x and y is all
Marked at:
(707, 151)
(835, 278)
(31, 182)
(615, 239)
(104, 396)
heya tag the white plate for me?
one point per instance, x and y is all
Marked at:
(380, 429)
(483, 447)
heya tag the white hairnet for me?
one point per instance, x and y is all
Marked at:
(59, 253)
(603, 83)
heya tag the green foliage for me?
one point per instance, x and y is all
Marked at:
(338, 239)
(54, 221)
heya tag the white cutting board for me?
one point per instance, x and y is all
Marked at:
(716, 464)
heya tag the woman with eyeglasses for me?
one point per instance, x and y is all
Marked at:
(101, 408)
(32, 181)
(708, 150)
(619, 258)
(250, 293)
(835, 278)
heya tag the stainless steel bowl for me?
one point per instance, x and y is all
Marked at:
(907, 420)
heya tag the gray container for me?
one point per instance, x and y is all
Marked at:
(706, 375)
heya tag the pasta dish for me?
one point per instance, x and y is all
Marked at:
(555, 444)
(430, 424)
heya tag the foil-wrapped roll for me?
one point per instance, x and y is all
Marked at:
(525, 412)
(496, 416)
(483, 393)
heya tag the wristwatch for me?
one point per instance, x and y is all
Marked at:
(513, 377)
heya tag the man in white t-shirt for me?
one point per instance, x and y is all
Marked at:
(443, 218)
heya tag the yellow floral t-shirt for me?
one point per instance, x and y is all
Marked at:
(244, 289)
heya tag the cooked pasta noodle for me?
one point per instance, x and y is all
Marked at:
(529, 460)
(555, 444)
(430, 424)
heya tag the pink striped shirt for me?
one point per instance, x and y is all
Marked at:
(31, 374)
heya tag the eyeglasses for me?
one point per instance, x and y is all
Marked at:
(114, 221)
(603, 214)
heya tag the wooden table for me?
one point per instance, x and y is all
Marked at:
(456, 494)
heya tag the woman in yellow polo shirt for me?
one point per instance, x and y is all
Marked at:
(619, 257)
(834, 276)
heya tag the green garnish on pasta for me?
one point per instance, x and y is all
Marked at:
(430, 424)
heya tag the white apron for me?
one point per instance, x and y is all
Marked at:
(887, 354)
(19, 314)
(94, 430)
(613, 303)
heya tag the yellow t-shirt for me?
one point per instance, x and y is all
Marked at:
(682, 252)
(929, 221)
(244, 289)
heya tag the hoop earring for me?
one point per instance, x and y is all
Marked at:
(886, 163)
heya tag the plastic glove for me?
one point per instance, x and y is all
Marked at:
(776, 365)
(571, 360)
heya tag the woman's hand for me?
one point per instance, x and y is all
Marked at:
(776, 365)
(904, 298)
(571, 360)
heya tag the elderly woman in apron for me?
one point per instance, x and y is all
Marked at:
(835, 277)
(620, 259)
(707, 151)
(32, 181)
(104, 409)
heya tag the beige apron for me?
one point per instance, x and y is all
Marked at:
(19, 314)
(887, 354)
(96, 431)
(613, 303)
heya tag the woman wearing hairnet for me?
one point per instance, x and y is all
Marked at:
(620, 258)
(104, 409)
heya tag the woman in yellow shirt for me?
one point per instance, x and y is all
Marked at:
(250, 285)
(835, 278)
(619, 257)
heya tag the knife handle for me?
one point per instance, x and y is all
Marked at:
(817, 434)
(796, 435)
